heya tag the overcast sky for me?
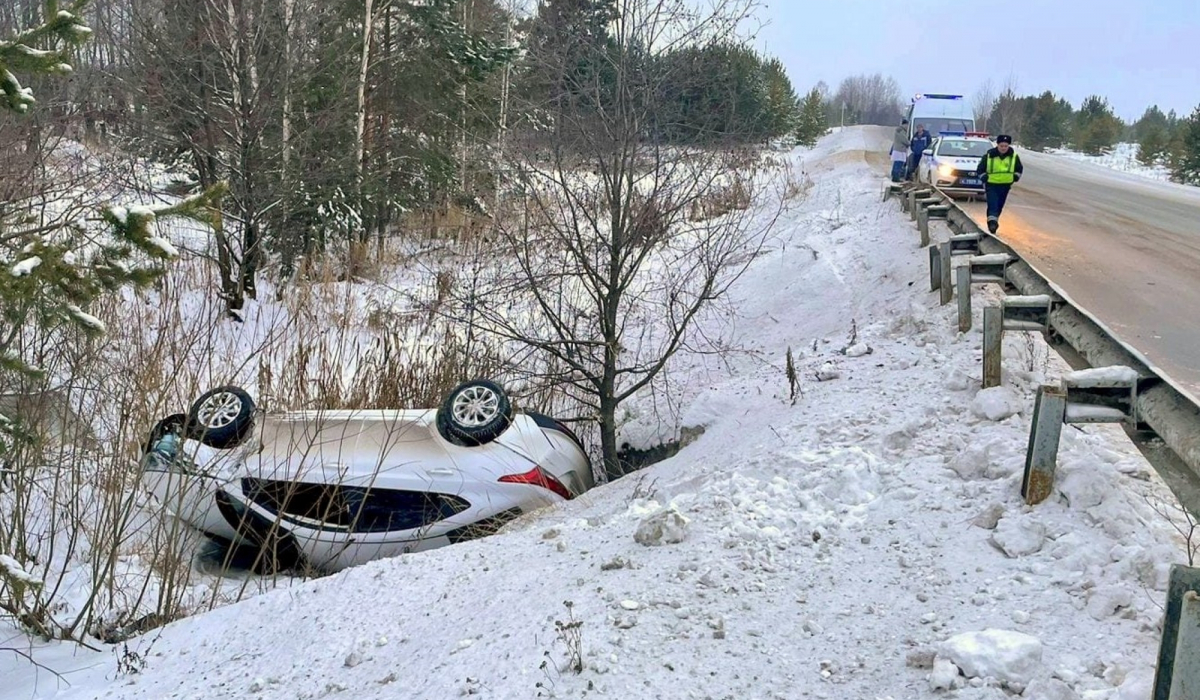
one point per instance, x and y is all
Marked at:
(1134, 52)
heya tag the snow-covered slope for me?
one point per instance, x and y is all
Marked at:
(1122, 157)
(831, 548)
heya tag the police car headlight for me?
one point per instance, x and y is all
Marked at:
(946, 171)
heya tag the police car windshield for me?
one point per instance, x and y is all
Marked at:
(962, 148)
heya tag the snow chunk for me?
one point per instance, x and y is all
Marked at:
(1080, 413)
(86, 319)
(990, 517)
(164, 245)
(1005, 655)
(12, 570)
(1019, 536)
(666, 527)
(996, 403)
(972, 463)
(957, 380)
(828, 371)
(1049, 689)
(1085, 488)
(858, 350)
(1138, 685)
(1101, 376)
(25, 267)
(944, 675)
(1106, 601)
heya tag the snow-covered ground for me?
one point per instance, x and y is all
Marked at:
(866, 541)
(1123, 157)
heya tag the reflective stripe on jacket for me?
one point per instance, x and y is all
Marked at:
(1001, 170)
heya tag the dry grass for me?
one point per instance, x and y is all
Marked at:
(732, 197)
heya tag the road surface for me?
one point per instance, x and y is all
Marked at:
(1124, 247)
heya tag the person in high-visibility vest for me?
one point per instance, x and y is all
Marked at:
(999, 168)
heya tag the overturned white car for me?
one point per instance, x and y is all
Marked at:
(332, 489)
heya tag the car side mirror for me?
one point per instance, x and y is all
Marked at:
(927, 152)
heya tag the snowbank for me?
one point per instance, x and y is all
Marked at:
(1122, 157)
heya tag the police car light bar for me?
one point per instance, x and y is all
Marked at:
(936, 96)
(979, 134)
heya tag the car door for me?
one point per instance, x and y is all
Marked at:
(928, 164)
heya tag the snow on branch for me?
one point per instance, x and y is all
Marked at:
(62, 29)
(11, 570)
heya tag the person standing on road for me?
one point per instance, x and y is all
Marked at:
(920, 141)
(900, 143)
(999, 168)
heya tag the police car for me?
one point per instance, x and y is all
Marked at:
(950, 161)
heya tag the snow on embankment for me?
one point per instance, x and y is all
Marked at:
(868, 541)
(1122, 157)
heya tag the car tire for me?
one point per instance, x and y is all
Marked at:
(474, 413)
(221, 417)
(176, 422)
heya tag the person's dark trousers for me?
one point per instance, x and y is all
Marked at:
(912, 166)
(897, 170)
(997, 195)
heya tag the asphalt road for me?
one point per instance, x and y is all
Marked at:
(1124, 247)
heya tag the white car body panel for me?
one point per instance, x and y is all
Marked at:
(379, 451)
(928, 171)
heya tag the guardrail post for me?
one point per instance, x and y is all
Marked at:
(923, 225)
(964, 298)
(1178, 674)
(946, 285)
(1041, 456)
(935, 268)
(993, 343)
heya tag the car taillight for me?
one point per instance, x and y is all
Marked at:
(538, 477)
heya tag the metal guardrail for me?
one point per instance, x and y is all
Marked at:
(1161, 418)
(1168, 433)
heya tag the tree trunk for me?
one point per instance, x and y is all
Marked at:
(608, 440)
(360, 127)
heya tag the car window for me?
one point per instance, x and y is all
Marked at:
(936, 125)
(358, 508)
(962, 148)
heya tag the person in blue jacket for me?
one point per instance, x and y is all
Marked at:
(999, 168)
(920, 141)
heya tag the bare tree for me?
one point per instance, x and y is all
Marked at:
(213, 74)
(622, 240)
(1009, 114)
(870, 99)
(983, 102)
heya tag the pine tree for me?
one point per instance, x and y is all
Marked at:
(1096, 127)
(813, 117)
(55, 271)
(62, 30)
(1152, 119)
(782, 108)
(1185, 158)
(1152, 145)
(1047, 121)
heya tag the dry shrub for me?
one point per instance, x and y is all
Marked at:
(391, 373)
(720, 201)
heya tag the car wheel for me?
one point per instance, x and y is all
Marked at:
(474, 413)
(174, 423)
(221, 417)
